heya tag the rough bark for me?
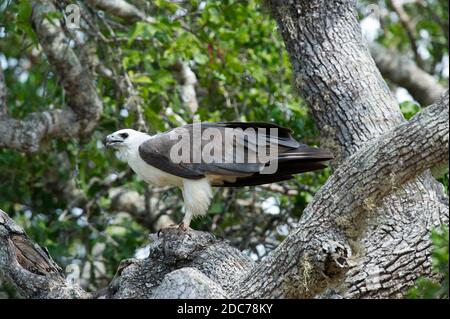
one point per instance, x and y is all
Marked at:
(335, 73)
(352, 105)
(84, 105)
(324, 245)
(404, 72)
(175, 259)
(30, 267)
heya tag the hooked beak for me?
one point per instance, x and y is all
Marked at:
(112, 141)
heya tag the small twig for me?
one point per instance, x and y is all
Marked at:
(410, 29)
(282, 189)
(3, 106)
(187, 80)
(121, 9)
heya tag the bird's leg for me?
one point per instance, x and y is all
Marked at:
(184, 225)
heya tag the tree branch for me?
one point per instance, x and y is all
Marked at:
(352, 107)
(193, 258)
(29, 267)
(121, 9)
(402, 71)
(85, 106)
(187, 80)
(335, 73)
(188, 283)
(409, 26)
(322, 250)
(3, 106)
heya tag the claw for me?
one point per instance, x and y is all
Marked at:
(183, 227)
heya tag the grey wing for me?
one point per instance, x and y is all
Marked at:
(157, 152)
(237, 161)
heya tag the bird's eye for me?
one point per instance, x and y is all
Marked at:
(124, 135)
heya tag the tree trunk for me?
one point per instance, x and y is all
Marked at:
(366, 232)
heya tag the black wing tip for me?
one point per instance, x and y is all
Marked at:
(327, 155)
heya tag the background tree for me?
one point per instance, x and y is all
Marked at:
(153, 65)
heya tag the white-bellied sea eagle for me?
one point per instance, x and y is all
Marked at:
(196, 157)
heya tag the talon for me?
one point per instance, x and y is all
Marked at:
(183, 227)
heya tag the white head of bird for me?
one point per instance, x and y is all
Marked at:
(125, 141)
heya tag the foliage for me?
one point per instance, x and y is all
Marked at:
(435, 288)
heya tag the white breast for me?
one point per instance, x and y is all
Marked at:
(152, 174)
(146, 172)
(197, 194)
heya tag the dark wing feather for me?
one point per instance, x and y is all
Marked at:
(293, 157)
(285, 172)
(155, 152)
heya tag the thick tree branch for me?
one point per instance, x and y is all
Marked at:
(121, 9)
(391, 160)
(187, 80)
(395, 246)
(85, 106)
(29, 267)
(188, 283)
(76, 79)
(352, 106)
(213, 266)
(335, 73)
(357, 186)
(404, 72)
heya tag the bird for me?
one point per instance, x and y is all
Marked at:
(199, 156)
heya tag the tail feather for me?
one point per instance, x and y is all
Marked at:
(293, 157)
(304, 152)
(300, 160)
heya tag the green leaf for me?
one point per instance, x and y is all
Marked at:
(136, 31)
(141, 79)
(409, 109)
(200, 58)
